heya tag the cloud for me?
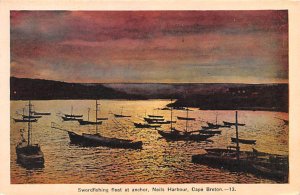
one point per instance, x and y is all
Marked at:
(149, 46)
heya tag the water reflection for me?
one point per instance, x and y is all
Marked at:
(159, 161)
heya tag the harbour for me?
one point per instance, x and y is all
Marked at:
(159, 160)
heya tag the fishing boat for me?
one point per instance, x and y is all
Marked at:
(258, 163)
(24, 120)
(185, 118)
(146, 125)
(176, 135)
(65, 118)
(32, 116)
(28, 154)
(210, 131)
(209, 127)
(93, 140)
(153, 119)
(73, 115)
(243, 141)
(216, 125)
(41, 113)
(121, 115)
(233, 124)
(102, 119)
(155, 116)
(83, 122)
(88, 122)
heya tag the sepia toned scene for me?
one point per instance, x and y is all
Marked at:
(149, 97)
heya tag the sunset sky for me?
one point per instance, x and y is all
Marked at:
(150, 46)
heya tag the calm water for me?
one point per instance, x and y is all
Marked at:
(158, 162)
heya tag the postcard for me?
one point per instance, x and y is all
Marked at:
(149, 98)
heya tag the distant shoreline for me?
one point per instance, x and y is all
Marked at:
(262, 97)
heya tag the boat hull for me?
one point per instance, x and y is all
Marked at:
(121, 116)
(75, 138)
(256, 163)
(69, 119)
(41, 113)
(210, 131)
(94, 140)
(232, 124)
(29, 156)
(31, 117)
(155, 116)
(73, 116)
(102, 119)
(243, 141)
(140, 125)
(185, 118)
(25, 120)
(83, 122)
(180, 136)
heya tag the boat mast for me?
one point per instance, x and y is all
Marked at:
(96, 116)
(29, 123)
(171, 116)
(187, 116)
(237, 136)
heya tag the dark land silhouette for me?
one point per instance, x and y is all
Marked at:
(206, 96)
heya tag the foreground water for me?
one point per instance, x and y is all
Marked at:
(158, 162)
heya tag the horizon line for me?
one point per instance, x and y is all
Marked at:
(150, 82)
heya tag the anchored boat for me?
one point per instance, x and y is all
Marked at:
(176, 135)
(88, 122)
(28, 154)
(91, 140)
(259, 163)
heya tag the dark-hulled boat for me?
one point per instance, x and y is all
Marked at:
(214, 126)
(41, 113)
(155, 116)
(176, 135)
(32, 116)
(93, 140)
(146, 125)
(121, 116)
(73, 115)
(269, 165)
(259, 163)
(210, 131)
(243, 141)
(28, 154)
(69, 118)
(88, 122)
(185, 118)
(83, 122)
(233, 124)
(102, 118)
(24, 120)
(154, 120)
